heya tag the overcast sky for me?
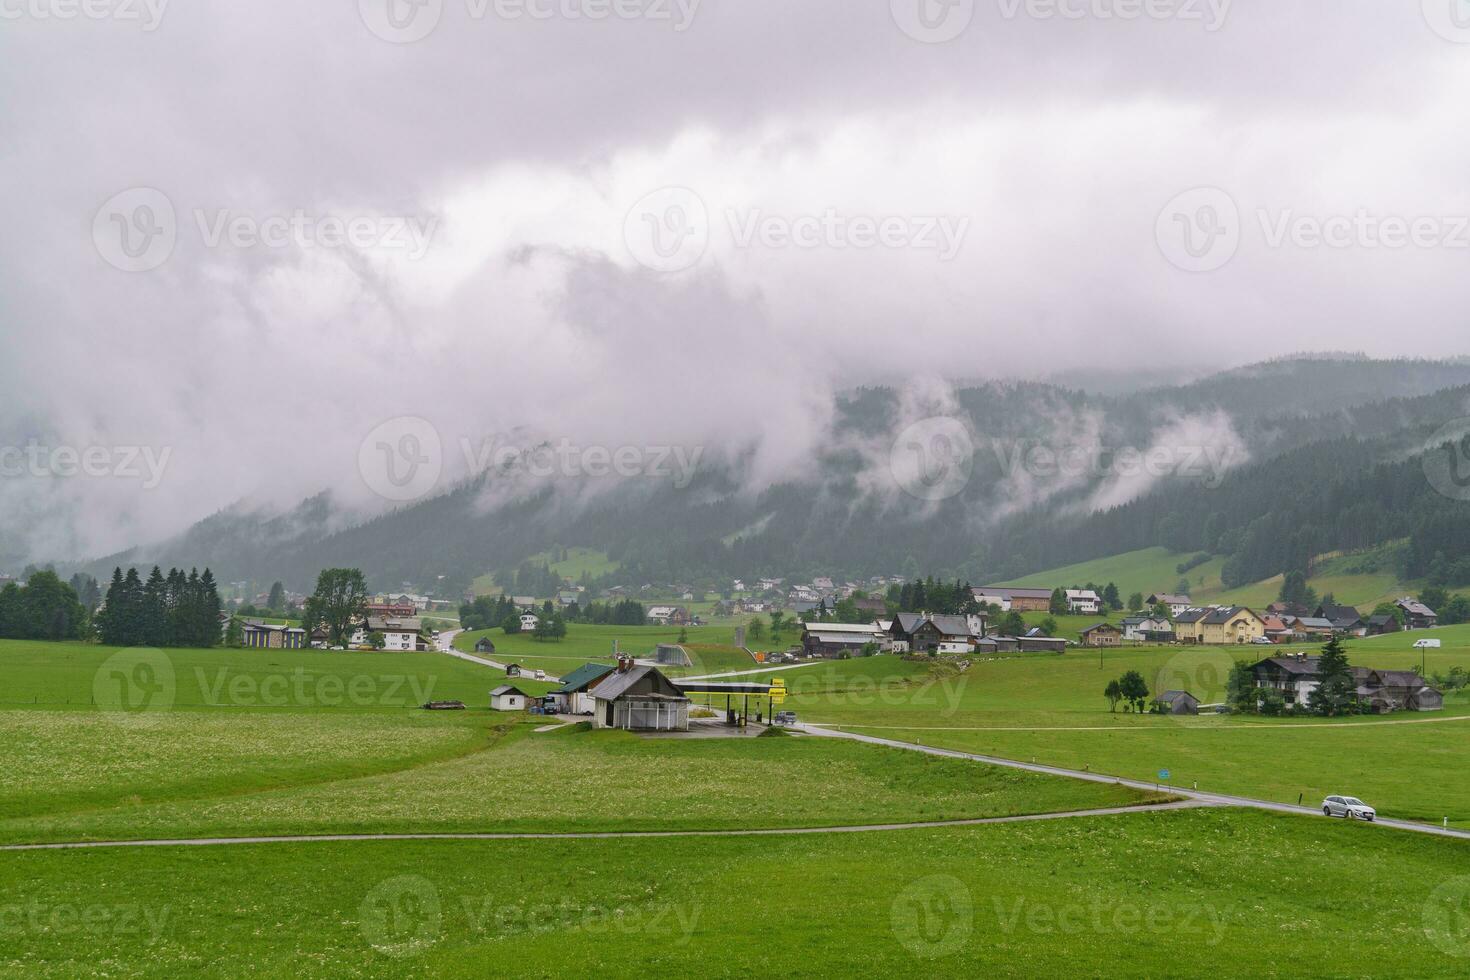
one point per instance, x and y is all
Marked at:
(679, 222)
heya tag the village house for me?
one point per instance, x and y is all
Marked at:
(529, 621)
(1219, 626)
(942, 634)
(1014, 599)
(1177, 703)
(668, 615)
(1102, 635)
(399, 633)
(1148, 629)
(639, 699)
(834, 639)
(1417, 616)
(484, 645)
(574, 697)
(1176, 603)
(1383, 624)
(1297, 676)
(1083, 602)
(508, 698)
(256, 633)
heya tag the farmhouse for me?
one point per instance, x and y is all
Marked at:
(834, 639)
(943, 634)
(574, 696)
(1102, 635)
(1417, 616)
(639, 699)
(398, 633)
(529, 621)
(1178, 703)
(1148, 629)
(1176, 603)
(508, 698)
(1017, 600)
(668, 615)
(1220, 625)
(1083, 602)
(1296, 677)
(1383, 624)
(255, 633)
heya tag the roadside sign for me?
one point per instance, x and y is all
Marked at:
(1164, 774)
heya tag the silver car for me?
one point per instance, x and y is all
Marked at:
(1348, 806)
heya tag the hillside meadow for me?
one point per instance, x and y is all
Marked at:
(1051, 709)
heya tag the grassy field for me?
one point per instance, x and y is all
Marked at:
(1147, 571)
(566, 780)
(710, 647)
(1051, 709)
(1191, 893)
(577, 562)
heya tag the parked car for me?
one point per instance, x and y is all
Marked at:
(785, 717)
(541, 675)
(1349, 807)
(1262, 641)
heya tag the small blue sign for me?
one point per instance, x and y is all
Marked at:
(1163, 774)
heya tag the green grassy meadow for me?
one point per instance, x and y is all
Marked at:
(1194, 893)
(1051, 709)
(710, 647)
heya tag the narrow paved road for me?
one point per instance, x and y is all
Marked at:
(1196, 796)
(446, 645)
(607, 835)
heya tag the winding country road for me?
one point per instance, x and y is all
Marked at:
(1195, 796)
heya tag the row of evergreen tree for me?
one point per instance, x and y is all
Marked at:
(176, 610)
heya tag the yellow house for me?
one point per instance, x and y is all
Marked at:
(1220, 626)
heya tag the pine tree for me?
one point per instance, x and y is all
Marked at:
(1336, 692)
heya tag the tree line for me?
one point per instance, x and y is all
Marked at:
(173, 610)
(45, 608)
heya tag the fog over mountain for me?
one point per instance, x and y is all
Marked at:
(703, 227)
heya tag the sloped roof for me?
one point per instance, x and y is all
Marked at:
(615, 686)
(952, 625)
(507, 689)
(584, 675)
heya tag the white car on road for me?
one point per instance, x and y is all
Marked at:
(1348, 806)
